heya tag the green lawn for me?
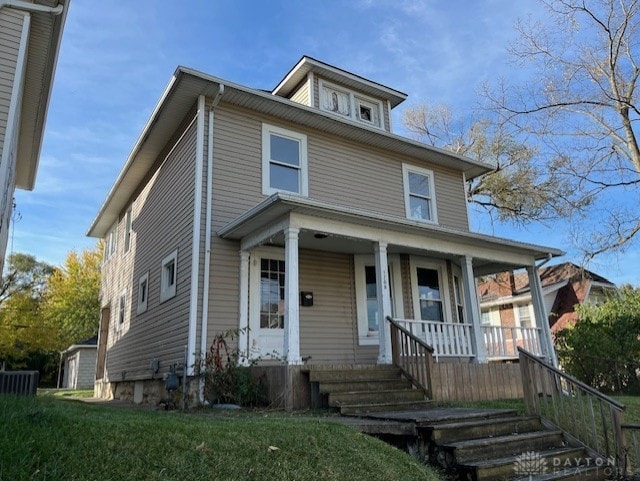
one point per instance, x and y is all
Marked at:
(46, 438)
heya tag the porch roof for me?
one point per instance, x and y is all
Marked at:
(267, 215)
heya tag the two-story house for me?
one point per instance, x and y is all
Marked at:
(298, 216)
(30, 35)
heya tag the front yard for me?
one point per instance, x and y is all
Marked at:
(46, 438)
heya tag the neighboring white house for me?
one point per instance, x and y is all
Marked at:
(30, 34)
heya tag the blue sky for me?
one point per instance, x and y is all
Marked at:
(117, 58)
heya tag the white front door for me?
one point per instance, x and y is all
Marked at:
(266, 303)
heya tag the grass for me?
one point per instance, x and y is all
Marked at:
(47, 438)
(66, 393)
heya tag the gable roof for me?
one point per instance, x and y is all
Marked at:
(307, 64)
(181, 95)
(508, 285)
(44, 40)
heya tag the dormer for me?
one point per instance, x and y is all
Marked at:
(341, 93)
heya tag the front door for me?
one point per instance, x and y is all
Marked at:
(266, 301)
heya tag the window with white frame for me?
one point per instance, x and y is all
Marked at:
(143, 293)
(348, 104)
(110, 242)
(524, 315)
(419, 193)
(284, 161)
(457, 291)
(122, 303)
(168, 277)
(485, 318)
(127, 230)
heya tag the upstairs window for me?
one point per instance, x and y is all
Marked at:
(110, 242)
(349, 104)
(121, 310)
(127, 230)
(168, 277)
(284, 161)
(143, 293)
(419, 194)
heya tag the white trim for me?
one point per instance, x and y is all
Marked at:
(128, 219)
(143, 304)
(456, 272)
(441, 268)
(168, 290)
(359, 262)
(353, 98)
(243, 308)
(390, 126)
(433, 211)
(303, 180)
(312, 96)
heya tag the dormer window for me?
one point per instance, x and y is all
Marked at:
(340, 101)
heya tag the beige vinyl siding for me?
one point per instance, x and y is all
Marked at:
(162, 214)
(340, 171)
(10, 33)
(301, 94)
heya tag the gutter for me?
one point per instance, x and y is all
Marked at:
(32, 7)
(195, 240)
(204, 324)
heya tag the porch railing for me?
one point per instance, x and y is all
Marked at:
(448, 339)
(412, 355)
(631, 433)
(503, 342)
(586, 414)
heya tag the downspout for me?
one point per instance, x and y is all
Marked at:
(195, 239)
(204, 324)
(31, 7)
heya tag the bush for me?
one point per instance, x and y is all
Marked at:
(226, 380)
(603, 348)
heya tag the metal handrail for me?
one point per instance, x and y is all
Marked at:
(587, 415)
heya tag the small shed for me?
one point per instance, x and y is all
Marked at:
(80, 364)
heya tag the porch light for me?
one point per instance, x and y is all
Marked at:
(320, 235)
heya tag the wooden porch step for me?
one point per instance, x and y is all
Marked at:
(363, 385)
(578, 473)
(359, 374)
(506, 467)
(464, 452)
(483, 428)
(360, 409)
(377, 396)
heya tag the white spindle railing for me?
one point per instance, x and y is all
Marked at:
(503, 342)
(448, 339)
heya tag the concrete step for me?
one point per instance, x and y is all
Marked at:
(483, 428)
(464, 452)
(364, 397)
(510, 466)
(366, 385)
(361, 374)
(364, 408)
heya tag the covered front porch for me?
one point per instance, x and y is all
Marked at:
(317, 281)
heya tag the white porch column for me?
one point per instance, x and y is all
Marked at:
(291, 302)
(473, 307)
(243, 311)
(384, 303)
(540, 313)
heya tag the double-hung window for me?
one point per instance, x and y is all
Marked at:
(284, 161)
(419, 194)
(168, 276)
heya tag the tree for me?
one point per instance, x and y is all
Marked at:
(603, 348)
(72, 300)
(517, 189)
(22, 328)
(583, 107)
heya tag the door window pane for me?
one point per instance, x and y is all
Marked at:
(372, 298)
(429, 295)
(271, 294)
